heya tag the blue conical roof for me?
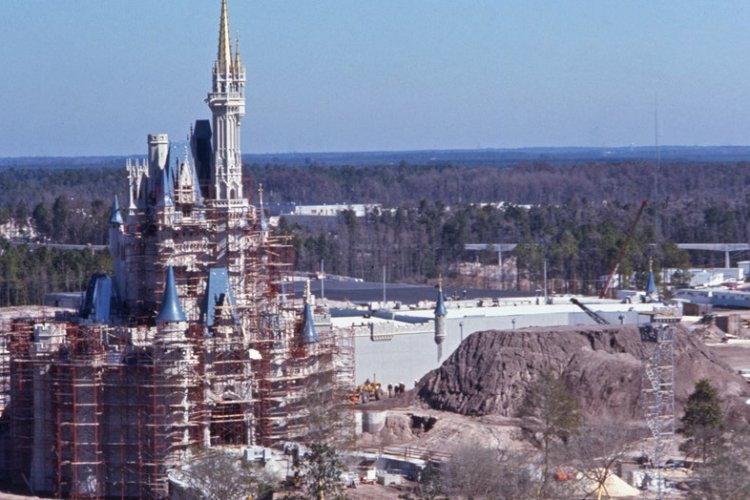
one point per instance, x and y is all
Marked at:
(167, 185)
(651, 287)
(309, 334)
(171, 310)
(440, 309)
(115, 216)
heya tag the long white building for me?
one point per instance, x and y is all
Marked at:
(399, 345)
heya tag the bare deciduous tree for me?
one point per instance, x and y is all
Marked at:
(328, 417)
(594, 453)
(320, 474)
(726, 473)
(478, 471)
(221, 476)
(550, 415)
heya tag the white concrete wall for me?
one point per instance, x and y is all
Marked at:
(408, 357)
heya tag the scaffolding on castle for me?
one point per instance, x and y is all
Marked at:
(118, 407)
(105, 404)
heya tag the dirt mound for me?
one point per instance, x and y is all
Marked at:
(490, 371)
(709, 333)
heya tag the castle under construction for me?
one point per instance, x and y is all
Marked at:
(195, 341)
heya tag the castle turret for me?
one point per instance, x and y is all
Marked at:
(158, 154)
(115, 215)
(187, 190)
(117, 247)
(309, 333)
(651, 286)
(171, 310)
(158, 159)
(440, 313)
(227, 103)
(174, 361)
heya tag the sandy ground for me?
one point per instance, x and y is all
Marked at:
(449, 432)
(373, 492)
(737, 356)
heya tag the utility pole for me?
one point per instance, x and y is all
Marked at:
(384, 285)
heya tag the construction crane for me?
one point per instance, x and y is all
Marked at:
(590, 313)
(623, 249)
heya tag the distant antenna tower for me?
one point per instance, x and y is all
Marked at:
(657, 173)
(657, 387)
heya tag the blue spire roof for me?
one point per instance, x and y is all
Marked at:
(440, 309)
(96, 304)
(171, 310)
(309, 334)
(115, 216)
(651, 287)
(167, 185)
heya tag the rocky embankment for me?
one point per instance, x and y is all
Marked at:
(490, 371)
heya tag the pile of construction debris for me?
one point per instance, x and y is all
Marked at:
(490, 372)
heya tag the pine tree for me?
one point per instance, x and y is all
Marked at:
(703, 421)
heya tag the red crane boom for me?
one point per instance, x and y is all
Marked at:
(623, 248)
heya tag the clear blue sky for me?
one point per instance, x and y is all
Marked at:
(93, 77)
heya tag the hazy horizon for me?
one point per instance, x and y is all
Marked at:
(397, 151)
(94, 78)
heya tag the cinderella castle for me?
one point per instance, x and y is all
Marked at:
(196, 341)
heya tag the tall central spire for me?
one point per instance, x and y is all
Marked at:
(224, 59)
(227, 103)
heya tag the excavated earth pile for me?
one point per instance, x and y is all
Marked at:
(490, 371)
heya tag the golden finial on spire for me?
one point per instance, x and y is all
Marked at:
(650, 264)
(224, 59)
(440, 282)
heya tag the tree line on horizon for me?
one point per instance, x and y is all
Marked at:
(576, 218)
(539, 183)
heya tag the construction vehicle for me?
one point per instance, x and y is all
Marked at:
(368, 391)
(591, 314)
